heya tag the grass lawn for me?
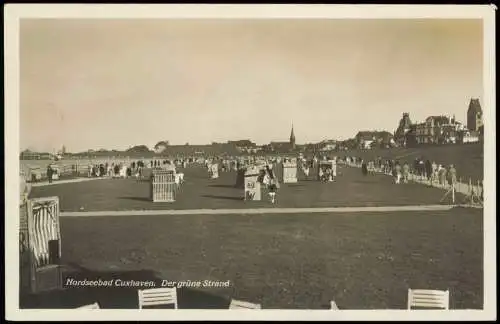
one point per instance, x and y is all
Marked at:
(467, 158)
(283, 261)
(350, 189)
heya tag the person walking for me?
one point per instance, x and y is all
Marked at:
(102, 170)
(428, 169)
(272, 189)
(397, 173)
(421, 167)
(406, 172)
(452, 175)
(434, 173)
(442, 175)
(364, 168)
(49, 173)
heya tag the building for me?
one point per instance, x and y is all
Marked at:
(438, 130)
(410, 138)
(405, 125)
(370, 139)
(29, 155)
(282, 146)
(468, 136)
(245, 146)
(279, 147)
(242, 143)
(474, 115)
(328, 145)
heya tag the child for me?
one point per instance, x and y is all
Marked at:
(306, 170)
(272, 190)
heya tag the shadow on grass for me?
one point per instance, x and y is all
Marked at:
(223, 197)
(223, 186)
(310, 179)
(116, 296)
(136, 198)
(368, 180)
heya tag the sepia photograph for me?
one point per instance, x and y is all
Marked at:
(314, 162)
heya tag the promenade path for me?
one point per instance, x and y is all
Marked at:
(262, 211)
(56, 182)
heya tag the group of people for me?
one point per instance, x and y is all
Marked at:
(269, 179)
(118, 170)
(402, 172)
(368, 167)
(134, 168)
(328, 172)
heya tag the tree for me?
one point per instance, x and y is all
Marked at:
(139, 149)
(161, 143)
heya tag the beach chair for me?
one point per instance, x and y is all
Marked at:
(157, 296)
(238, 304)
(90, 306)
(333, 305)
(428, 298)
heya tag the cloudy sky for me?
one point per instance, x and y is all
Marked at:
(91, 84)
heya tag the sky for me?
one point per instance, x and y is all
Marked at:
(113, 84)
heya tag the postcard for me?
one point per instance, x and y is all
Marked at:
(250, 162)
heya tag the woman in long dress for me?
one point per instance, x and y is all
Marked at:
(397, 173)
(364, 168)
(442, 176)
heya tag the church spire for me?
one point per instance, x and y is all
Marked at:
(292, 138)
